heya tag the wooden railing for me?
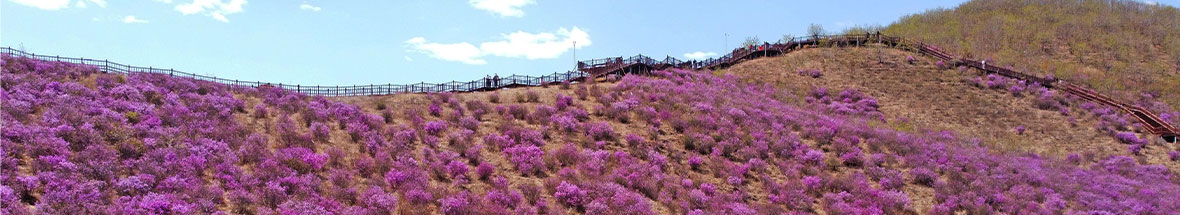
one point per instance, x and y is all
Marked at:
(598, 67)
(353, 90)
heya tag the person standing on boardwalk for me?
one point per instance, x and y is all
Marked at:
(496, 80)
(487, 81)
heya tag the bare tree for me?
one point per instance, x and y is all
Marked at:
(786, 38)
(815, 30)
(751, 41)
(863, 29)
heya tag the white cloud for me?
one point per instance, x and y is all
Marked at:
(44, 4)
(212, 8)
(308, 7)
(59, 4)
(543, 45)
(408, 59)
(100, 3)
(536, 46)
(506, 8)
(461, 52)
(699, 55)
(82, 3)
(132, 19)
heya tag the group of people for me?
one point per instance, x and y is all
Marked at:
(872, 34)
(760, 47)
(490, 81)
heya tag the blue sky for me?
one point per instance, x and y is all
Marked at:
(409, 41)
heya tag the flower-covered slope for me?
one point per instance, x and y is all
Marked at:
(921, 93)
(80, 142)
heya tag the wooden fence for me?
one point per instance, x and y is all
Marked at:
(353, 90)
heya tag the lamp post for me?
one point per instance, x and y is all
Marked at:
(576, 54)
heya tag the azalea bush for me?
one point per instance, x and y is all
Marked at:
(76, 141)
(813, 73)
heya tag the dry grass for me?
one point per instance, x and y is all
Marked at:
(668, 142)
(1121, 48)
(490, 122)
(913, 97)
(923, 97)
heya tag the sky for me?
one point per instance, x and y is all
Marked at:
(411, 41)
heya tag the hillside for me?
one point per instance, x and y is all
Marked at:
(680, 142)
(853, 130)
(1128, 49)
(921, 96)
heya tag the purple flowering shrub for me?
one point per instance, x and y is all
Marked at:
(527, 158)
(150, 143)
(565, 122)
(992, 81)
(600, 131)
(682, 142)
(435, 127)
(1129, 138)
(456, 204)
(937, 160)
(848, 102)
(813, 73)
(569, 194)
(1110, 120)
